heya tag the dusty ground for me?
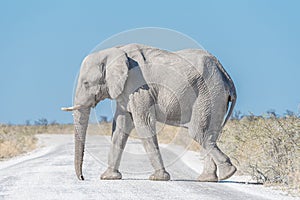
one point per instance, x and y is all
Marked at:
(267, 149)
(48, 173)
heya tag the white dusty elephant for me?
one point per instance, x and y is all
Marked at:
(187, 88)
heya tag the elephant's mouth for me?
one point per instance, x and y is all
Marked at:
(95, 101)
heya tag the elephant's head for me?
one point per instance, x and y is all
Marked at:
(102, 75)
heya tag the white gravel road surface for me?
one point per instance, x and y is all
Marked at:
(48, 173)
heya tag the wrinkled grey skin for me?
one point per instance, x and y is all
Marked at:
(188, 88)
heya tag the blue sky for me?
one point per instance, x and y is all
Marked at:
(42, 44)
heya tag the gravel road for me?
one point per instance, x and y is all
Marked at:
(48, 173)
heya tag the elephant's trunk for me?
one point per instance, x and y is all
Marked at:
(81, 118)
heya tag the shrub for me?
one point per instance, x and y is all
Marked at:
(267, 148)
(15, 140)
(41, 122)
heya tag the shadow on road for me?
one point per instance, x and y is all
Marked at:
(191, 180)
(241, 182)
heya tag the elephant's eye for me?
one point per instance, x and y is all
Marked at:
(86, 84)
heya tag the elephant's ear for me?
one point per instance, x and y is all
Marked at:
(116, 72)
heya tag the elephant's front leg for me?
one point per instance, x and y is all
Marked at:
(144, 120)
(151, 146)
(122, 127)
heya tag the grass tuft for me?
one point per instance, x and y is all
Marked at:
(15, 140)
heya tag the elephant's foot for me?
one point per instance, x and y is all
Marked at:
(209, 173)
(160, 175)
(208, 177)
(226, 170)
(111, 174)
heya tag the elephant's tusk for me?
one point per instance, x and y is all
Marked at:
(72, 108)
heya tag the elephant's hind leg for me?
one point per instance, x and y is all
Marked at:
(205, 128)
(225, 168)
(215, 160)
(198, 130)
(209, 173)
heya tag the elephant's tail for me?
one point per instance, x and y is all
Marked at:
(232, 99)
(232, 91)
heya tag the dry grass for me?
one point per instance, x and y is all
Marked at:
(15, 140)
(268, 149)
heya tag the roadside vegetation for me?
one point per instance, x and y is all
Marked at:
(267, 148)
(264, 147)
(15, 140)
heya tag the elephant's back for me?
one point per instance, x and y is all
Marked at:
(207, 65)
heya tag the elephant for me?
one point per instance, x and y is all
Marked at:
(187, 88)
